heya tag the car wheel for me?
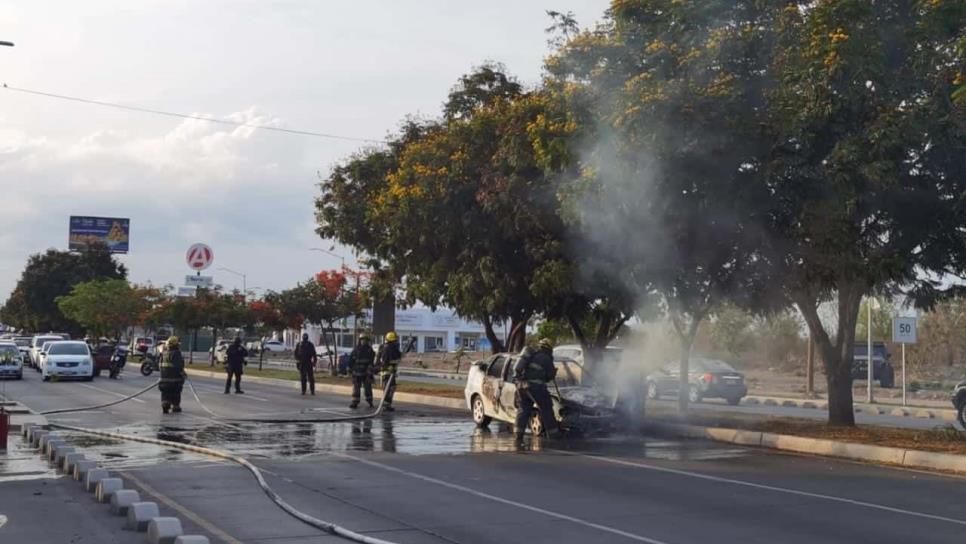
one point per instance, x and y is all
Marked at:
(652, 392)
(734, 400)
(20, 376)
(961, 414)
(479, 413)
(694, 395)
(46, 378)
(97, 372)
(88, 378)
(536, 425)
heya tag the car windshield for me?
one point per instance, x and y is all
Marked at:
(9, 351)
(68, 349)
(712, 365)
(22, 342)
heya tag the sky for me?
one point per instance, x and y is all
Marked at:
(349, 68)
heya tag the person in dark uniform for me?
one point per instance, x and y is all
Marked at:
(362, 362)
(389, 358)
(305, 360)
(172, 376)
(235, 364)
(533, 370)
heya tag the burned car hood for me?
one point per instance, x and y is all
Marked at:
(587, 397)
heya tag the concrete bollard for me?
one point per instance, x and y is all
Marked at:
(42, 440)
(192, 539)
(164, 530)
(52, 446)
(81, 468)
(67, 464)
(122, 499)
(58, 455)
(25, 429)
(107, 487)
(35, 436)
(139, 514)
(94, 476)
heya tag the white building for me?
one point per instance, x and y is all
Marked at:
(441, 330)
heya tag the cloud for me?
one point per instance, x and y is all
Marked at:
(236, 188)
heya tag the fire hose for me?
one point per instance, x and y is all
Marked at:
(322, 525)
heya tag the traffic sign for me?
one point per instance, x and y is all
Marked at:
(199, 257)
(904, 330)
(187, 291)
(199, 281)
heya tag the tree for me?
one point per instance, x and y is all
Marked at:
(867, 173)
(32, 305)
(731, 329)
(667, 97)
(103, 307)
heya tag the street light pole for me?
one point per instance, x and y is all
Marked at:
(244, 280)
(326, 251)
(6, 44)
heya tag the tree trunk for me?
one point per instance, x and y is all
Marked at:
(214, 344)
(496, 346)
(325, 341)
(837, 355)
(686, 335)
(518, 333)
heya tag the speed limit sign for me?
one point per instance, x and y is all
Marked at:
(904, 330)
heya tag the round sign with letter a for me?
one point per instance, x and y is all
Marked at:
(199, 257)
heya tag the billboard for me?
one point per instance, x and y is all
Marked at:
(114, 232)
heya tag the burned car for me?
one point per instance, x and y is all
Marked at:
(490, 394)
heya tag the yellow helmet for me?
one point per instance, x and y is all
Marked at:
(173, 341)
(545, 343)
(391, 336)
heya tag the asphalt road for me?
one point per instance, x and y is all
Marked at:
(426, 475)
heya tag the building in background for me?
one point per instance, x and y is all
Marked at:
(434, 331)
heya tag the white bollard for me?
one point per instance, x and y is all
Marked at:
(67, 464)
(192, 539)
(139, 515)
(25, 430)
(164, 530)
(122, 499)
(107, 487)
(52, 446)
(60, 453)
(81, 468)
(94, 476)
(35, 435)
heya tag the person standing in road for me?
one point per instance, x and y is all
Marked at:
(172, 376)
(389, 358)
(533, 370)
(362, 361)
(235, 364)
(305, 361)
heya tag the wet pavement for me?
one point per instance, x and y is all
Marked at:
(426, 475)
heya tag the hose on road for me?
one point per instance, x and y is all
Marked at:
(324, 526)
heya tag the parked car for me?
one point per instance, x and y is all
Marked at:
(138, 341)
(882, 369)
(102, 358)
(273, 346)
(67, 359)
(23, 342)
(37, 346)
(575, 352)
(490, 393)
(707, 378)
(959, 402)
(11, 361)
(220, 351)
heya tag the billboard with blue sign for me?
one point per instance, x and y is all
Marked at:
(113, 232)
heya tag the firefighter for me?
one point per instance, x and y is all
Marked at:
(362, 362)
(389, 358)
(172, 376)
(533, 370)
(235, 365)
(305, 361)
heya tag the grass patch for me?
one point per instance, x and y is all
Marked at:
(942, 438)
(439, 390)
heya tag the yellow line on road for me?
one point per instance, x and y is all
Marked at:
(200, 521)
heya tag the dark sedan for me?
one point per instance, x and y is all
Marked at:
(707, 378)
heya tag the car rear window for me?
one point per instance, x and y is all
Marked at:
(68, 349)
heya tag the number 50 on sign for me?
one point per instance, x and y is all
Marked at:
(904, 330)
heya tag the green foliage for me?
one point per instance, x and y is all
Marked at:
(557, 330)
(32, 305)
(104, 307)
(731, 330)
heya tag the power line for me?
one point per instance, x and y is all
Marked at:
(189, 116)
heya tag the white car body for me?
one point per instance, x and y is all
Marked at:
(37, 346)
(490, 394)
(67, 359)
(273, 346)
(11, 361)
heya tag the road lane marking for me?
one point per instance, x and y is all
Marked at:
(109, 392)
(200, 521)
(765, 487)
(501, 500)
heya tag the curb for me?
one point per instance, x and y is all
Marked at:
(874, 409)
(917, 459)
(345, 390)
